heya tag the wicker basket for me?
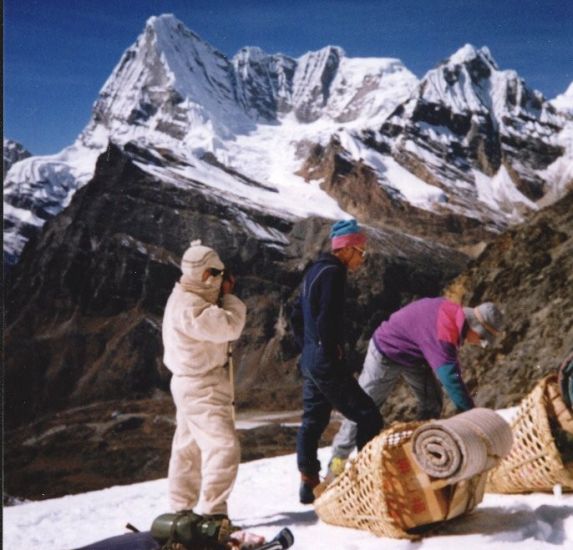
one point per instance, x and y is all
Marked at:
(535, 463)
(384, 492)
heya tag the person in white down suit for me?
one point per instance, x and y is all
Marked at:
(201, 318)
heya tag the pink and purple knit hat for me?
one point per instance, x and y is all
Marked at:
(346, 233)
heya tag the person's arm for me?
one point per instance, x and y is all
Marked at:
(330, 300)
(450, 377)
(297, 322)
(444, 356)
(216, 323)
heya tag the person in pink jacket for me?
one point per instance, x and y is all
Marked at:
(201, 318)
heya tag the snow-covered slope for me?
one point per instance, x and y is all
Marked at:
(37, 188)
(264, 501)
(560, 172)
(564, 101)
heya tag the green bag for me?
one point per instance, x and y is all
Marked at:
(181, 527)
(191, 530)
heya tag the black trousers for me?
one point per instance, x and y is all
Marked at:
(329, 385)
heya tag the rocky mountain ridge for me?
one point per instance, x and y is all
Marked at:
(484, 149)
(12, 153)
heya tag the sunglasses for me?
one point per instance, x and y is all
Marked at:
(216, 272)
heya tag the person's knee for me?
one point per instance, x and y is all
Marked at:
(315, 424)
(370, 421)
(368, 428)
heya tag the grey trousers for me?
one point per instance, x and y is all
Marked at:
(378, 377)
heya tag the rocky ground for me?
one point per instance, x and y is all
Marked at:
(116, 443)
(528, 270)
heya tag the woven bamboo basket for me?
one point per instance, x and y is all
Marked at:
(535, 463)
(382, 490)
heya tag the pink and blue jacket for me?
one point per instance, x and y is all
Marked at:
(428, 331)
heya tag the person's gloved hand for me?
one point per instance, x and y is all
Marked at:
(243, 540)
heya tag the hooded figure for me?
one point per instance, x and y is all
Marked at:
(201, 318)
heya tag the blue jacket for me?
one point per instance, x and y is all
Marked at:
(318, 316)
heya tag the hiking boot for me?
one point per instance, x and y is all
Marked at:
(307, 484)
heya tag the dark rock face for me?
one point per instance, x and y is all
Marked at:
(12, 153)
(100, 276)
(529, 271)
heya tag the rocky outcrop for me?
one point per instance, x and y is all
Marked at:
(357, 188)
(529, 271)
(12, 153)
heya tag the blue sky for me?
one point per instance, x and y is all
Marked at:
(58, 53)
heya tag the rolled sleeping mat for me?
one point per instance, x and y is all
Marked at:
(460, 447)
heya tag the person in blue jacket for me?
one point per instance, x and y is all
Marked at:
(328, 383)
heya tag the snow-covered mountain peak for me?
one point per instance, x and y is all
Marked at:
(13, 152)
(469, 53)
(172, 84)
(482, 129)
(171, 32)
(165, 21)
(470, 81)
(183, 51)
(564, 102)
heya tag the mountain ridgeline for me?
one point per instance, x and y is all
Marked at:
(467, 142)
